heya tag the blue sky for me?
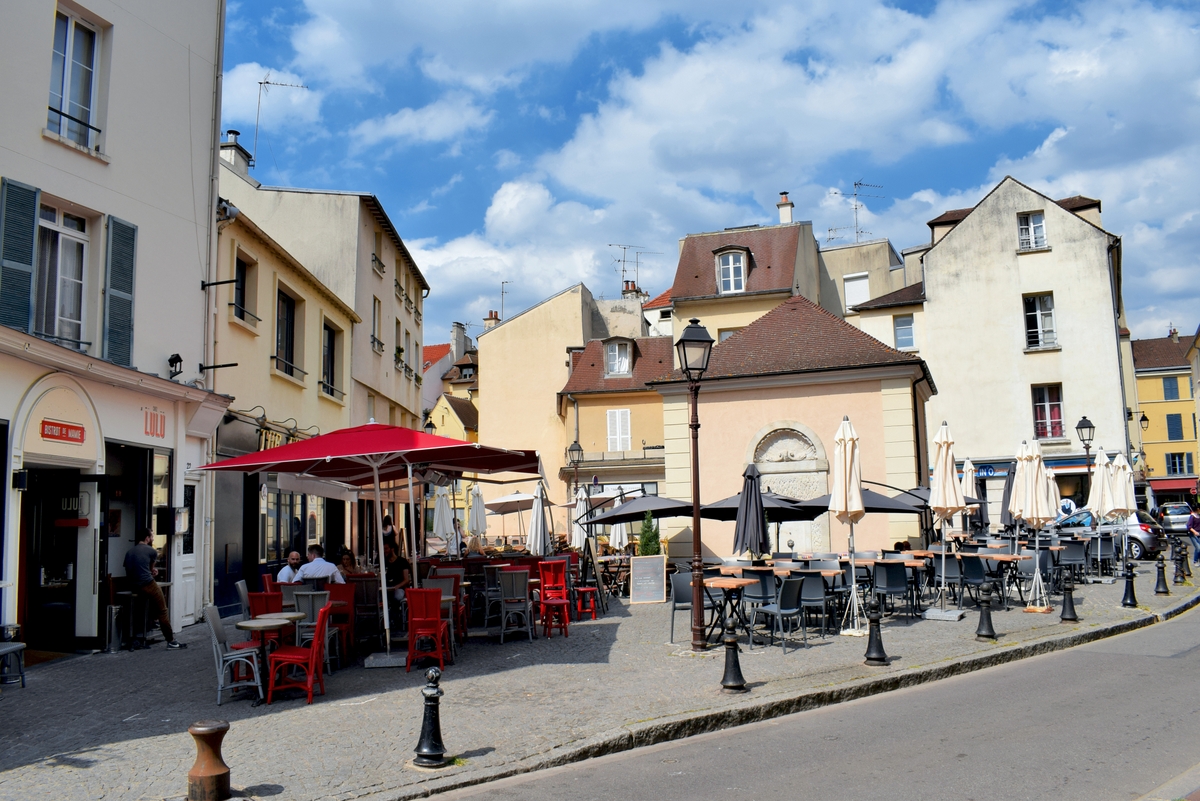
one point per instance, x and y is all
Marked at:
(514, 140)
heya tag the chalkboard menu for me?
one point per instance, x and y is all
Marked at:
(648, 579)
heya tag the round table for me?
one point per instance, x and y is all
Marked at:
(262, 624)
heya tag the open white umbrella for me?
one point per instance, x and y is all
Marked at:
(1100, 500)
(945, 499)
(538, 540)
(443, 521)
(846, 504)
(578, 532)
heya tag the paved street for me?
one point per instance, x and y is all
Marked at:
(1110, 720)
(113, 726)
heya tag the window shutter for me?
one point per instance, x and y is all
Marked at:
(623, 418)
(614, 430)
(18, 249)
(118, 292)
(1174, 426)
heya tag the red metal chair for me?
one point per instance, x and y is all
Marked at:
(342, 617)
(553, 601)
(425, 621)
(268, 582)
(310, 659)
(262, 603)
(590, 594)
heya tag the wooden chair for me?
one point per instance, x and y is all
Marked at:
(425, 621)
(310, 659)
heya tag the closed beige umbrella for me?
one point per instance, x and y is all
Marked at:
(846, 504)
(945, 500)
(1124, 500)
(1100, 502)
(1038, 511)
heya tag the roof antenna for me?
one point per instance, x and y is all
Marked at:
(624, 259)
(262, 87)
(859, 185)
(503, 292)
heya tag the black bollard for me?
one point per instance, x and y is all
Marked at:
(876, 656)
(1160, 586)
(430, 751)
(1179, 558)
(732, 682)
(1068, 603)
(984, 631)
(208, 780)
(1130, 599)
(1187, 563)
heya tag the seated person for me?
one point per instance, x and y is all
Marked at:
(347, 564)
(318, 568)
(288, 574)
(397, 576)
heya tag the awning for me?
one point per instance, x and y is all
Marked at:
(1172, 484)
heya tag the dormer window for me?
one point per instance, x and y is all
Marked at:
(731, 272)
(616, 361)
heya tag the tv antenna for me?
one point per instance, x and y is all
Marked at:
(832, 233)
(637, 263)
(262, 88)
(859, 185)
(623, 260)
(503, 292)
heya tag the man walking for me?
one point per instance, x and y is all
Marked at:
(139, 567)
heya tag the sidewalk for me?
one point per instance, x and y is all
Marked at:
(114, 726)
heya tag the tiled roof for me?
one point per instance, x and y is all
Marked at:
(652, 358)
(798, 336)
(455, 372)
(772, 260)
(1073, 203)
(1160, 354)
(433, 354)
(905, 296)
(662, 301)
(465, 410)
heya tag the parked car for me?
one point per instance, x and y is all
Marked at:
(1146, 537)
(1174, 517)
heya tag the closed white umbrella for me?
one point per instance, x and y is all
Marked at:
(945, 495)
(538, 540)
(477, 514)
(443, 521)
(1037, 510)
(578, 532)
(846, 504)
(1124, 501)
(967, 485)
(618, 533)
(1100, 500)
(1020, 485)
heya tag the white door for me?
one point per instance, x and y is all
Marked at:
(183, 580)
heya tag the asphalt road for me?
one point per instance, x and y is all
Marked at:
(1110, 720)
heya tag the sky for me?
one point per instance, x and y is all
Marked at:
(520, 140)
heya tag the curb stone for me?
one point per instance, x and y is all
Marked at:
(676, 727)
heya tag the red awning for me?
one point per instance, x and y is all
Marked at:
(1172, 484)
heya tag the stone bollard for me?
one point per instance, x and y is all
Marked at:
(1068, 604)
(430, 751)
(1129, 601)
(732, 682)
(1160, 586)
(984, 631)
(208, 780)
(875, 655)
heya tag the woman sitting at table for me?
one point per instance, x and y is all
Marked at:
(347, 564)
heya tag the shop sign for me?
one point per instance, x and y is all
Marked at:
(268, 438)
(62, 432)
(154, 422)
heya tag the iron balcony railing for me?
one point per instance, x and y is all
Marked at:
(286, 367)
(90, 128)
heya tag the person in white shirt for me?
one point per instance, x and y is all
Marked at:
(288, 574)
(317, 567)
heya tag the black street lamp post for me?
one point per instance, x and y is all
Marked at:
(694, 348)
(574, 457)
(1086, 431)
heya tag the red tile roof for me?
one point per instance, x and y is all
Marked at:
(661, 301)
(652, 359)
(466, 411)
(432, 354)
(455, 373)
(1160, 354)
(1073, 203)
(772, 260)
(798, 336)
(905, 296)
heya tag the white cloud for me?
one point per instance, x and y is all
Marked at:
(446, 187)
(282, 107)
(506, 159)
(443, 120)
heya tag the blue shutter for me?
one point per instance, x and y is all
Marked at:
(1174, 426)
(1171, 387)
(18, 249)
(1190, 471)
(118, 292)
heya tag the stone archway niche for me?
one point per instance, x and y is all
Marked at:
(791, 459)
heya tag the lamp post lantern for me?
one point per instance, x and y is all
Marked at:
(1144, 421)
(694, 348)
(429, 426)
(1085, 430)
(574, 457)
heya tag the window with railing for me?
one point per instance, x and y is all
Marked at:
(1031, 231)
(330, 363)
(73, 81)
(1039, 322)
(1048, 412)
(1179, 464)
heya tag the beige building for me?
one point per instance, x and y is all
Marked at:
(107, 219)
(348, 242)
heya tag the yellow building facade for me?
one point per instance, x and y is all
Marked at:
(1167, 408)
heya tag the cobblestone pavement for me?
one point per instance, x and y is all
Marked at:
(114, 726)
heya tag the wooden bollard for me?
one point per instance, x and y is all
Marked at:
(208, 780)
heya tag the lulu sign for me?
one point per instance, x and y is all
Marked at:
(154, 422)
(58, 431)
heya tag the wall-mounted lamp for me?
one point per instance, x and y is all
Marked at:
(1144, 421)
(175, 365)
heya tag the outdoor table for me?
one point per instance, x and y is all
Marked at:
(262, 624)
(732, 590)
(1005, 560)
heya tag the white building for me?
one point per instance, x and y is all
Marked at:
(1020, 318)
(107, 223)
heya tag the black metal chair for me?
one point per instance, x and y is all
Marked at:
(973, 575)
(813, 593)
(681, 597)
(785, 606)
(892, 581)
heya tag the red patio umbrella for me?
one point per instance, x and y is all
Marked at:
(373, 453)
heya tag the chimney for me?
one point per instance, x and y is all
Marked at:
(1174, 335)
(491, 321)
(630, 290)
(785, 207)
(460, 343)
(235, 154)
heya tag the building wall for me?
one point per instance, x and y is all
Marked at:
(737, 417)
(877, 258)
(880, 323)
(645, 419)
(974, 331)
(727, 313)
(1151, 403)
